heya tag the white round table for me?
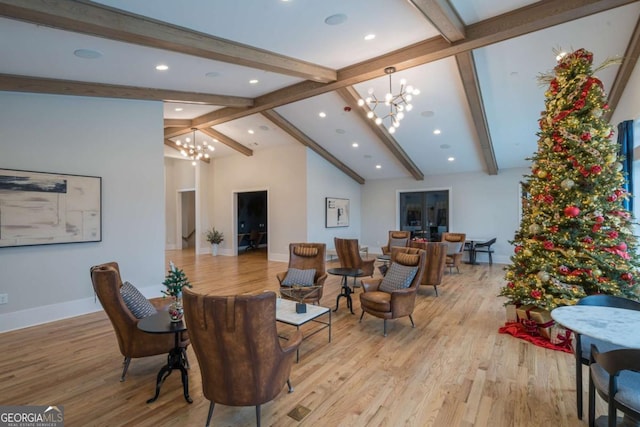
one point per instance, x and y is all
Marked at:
(615, 325)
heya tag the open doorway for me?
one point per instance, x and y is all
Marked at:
(186, 219)
(252, 222)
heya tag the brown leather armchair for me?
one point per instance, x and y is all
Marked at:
(399, 302)
(132, 341)
(396, 238)
(436, 258)
(456, 249)
(242, 362)
(348, 251)
(305, 256)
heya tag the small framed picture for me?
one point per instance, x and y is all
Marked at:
(337, 212)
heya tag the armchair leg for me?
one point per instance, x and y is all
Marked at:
(125, 366)
(592, 402)
(211, 406)
(289, 385)
(413, 325)
(436, 289)
(258, 415)
(384, 327)
(361, 316)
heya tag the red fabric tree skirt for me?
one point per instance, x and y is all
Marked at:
(518, 331)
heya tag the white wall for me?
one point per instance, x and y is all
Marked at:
(281, 171)
(481, 206)
(113, 139)
(325, 180)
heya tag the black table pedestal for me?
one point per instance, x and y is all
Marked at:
(175, 360)
(345, 292)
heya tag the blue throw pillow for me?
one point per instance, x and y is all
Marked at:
(299, 277)
(136, 302)
(398, 277)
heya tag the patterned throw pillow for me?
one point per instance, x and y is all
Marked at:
(398, 242)
(299, 277)
(398, 277)
(136, 302)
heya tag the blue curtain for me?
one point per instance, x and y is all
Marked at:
(625, 141)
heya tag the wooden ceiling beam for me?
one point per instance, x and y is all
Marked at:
(102, 21)
(302, 138)
(469, 77)
(76, 88)
(629, 61)
(535, 17)
(231, 143)
(443, 17)
(351, 97)
(177, 123)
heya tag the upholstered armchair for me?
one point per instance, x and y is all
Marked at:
(394, 295)
(133, 342)
(455, 251)
(396, 238)
(348, 251)
(242, 361)
(436, 259)
(305, 256)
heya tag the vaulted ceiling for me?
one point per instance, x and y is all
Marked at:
(476, 63)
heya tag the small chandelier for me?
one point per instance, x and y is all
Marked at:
(193, 151)
(398, 103)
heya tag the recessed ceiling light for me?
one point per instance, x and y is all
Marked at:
(369, 37)
(340, 131)
(263, 127)
(354, 145)
(212, 74)
(437, 131)
(451, 159)
(445, 146)
(378, 166)
(337, 19)
(427, 114)
(162, 67)
(253, 81)
(251, 131)
(322, 114)
(87, 54)
(179, 108)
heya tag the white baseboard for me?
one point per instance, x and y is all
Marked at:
(64, 310)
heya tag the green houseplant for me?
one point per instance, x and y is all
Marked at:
(214, 237)
(174, 281)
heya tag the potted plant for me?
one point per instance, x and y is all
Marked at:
(214, 237)
(174, 281)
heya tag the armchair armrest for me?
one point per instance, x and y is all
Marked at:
(281, 276)
(292, 342)
(371, 285)
(321, 279)
(403, 301)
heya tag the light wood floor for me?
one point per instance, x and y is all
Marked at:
(453, 369)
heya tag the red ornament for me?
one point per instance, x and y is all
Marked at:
(595, 169)
(548, 245)
(510, 285)
(596, 228)
(517, 249)
(347, 108)
(587, 239)
(622, 246)
(599, 219)
(536, 294)
(571, 211)
(553, 229)
(612, 198)
(586, 136)
(613, 234)
(563, 269)
(627, 276)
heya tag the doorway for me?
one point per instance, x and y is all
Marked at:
(252, 221)
(424, 213)
(186, 219)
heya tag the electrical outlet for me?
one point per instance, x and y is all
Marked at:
(4, 298)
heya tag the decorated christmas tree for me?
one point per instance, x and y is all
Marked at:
(575, 236)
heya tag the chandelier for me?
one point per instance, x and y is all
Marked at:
(193, 151)
(398, 103)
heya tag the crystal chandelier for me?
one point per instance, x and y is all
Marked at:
(398, 103)
(193, 151)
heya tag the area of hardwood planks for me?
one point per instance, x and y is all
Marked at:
(453, 369)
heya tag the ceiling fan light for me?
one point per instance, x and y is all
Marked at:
(409, 107)
(370, 114)
(370, 91)
(416, 91)
(400, 115)
(403, 82)
(388, 97)
(409, 98)
(392, 129)
(360, 102)
(409, 89)
(378, 120)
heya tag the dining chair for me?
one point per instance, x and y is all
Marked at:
(582, 343)
(455, 241)
(485, 247)
(615, 376)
